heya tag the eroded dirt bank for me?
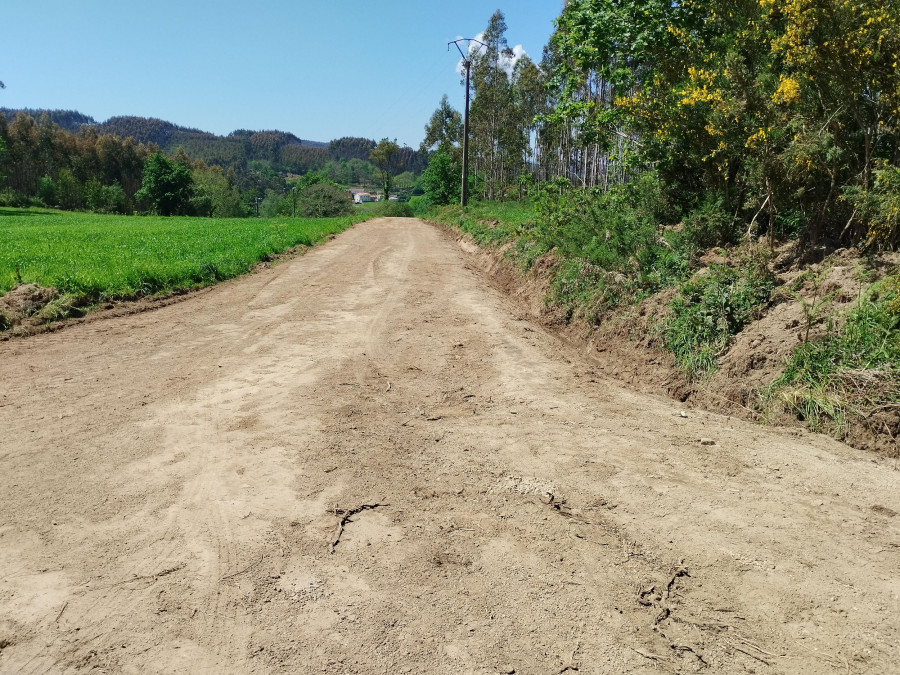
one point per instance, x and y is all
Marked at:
(364, 461)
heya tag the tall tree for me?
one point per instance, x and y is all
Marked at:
(781, 110)
(443, 132)
(491, 103)
(167, 186)
(385, 157)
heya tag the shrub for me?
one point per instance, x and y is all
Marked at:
(419, 205)
(441, 179)
(114, 200)
(68, 190)
(616, 235)
(880, 206)
(396, 210)
(712, 307)
(93, 195)
(47, 191)
(710, 224)
(323, 200)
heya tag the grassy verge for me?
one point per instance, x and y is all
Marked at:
(609, 248)
(610, 254)
(90, 257)
(488, 223)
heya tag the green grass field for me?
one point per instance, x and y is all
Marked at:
(96, 257)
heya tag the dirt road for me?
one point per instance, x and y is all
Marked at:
(365, 461)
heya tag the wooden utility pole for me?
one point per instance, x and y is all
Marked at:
(468, 64)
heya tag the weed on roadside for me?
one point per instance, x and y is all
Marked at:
(850, 371)
(712, 307)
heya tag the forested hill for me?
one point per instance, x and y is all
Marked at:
(237, 147)
(279, 150)
(70, 120)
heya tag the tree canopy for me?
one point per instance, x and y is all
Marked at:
(785, 114)
(167, 187)
(444, 130)
(386, 157)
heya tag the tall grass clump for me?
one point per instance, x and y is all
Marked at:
(851, 370)
(711, 308)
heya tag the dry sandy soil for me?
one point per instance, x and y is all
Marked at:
(365, 460)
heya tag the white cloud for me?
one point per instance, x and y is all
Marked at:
(474, 48)
(507, 62)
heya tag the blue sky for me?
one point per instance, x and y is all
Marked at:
(321, 70)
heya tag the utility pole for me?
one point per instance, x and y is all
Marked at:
(468, 64)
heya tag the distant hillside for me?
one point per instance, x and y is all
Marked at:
(69, 120)
(239, 146)
(282, 151)
(150, 130)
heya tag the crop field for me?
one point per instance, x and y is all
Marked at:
(104, 256)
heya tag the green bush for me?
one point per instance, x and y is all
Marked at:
(616, 236)
(396, 210)
(419, 205)
(387, 209)
(104, 198)
(880, 206)
(441, 179)
(710, 224)
(323, 200)
(47, 191)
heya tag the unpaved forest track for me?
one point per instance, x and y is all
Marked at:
(365, 461)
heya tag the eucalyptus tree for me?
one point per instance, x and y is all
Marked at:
(492, 105)
(443, 132)
(385, 157)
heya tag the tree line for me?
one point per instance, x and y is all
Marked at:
(103, 167)
(41, 163)
(753, 117)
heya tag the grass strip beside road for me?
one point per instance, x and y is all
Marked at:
(97, 257)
